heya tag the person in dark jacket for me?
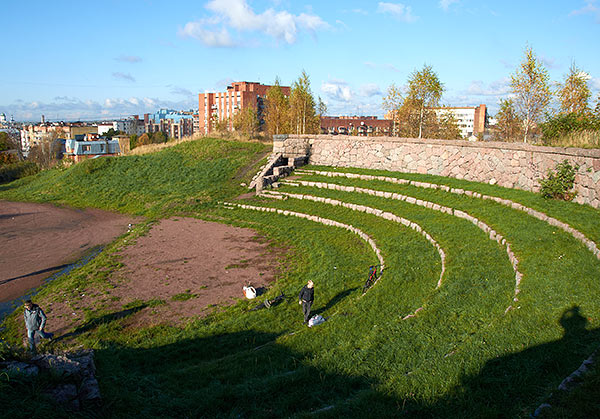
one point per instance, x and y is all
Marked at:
(35, 320)
(306, 298)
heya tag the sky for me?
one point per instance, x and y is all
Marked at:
(81, 60)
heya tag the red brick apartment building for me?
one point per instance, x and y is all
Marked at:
(224, 105)
(363, 125)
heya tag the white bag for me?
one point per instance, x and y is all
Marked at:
(315, 320)
(249, 292)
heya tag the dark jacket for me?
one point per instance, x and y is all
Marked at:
(35, 319)
(307, 294)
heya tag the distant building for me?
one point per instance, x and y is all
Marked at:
(80, 150)
(359, 125)
(175, 124)
(471, 120)
(222, 106)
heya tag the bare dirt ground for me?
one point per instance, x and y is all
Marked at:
(37, 240)
(186, 266)
(206, 262)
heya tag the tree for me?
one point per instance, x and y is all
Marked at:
(304, 119)
(144, 139)
(48, 151)
(510, 126)
(133, 141)
(597, 109)
(530, 86)
(246, 121)
(158, 137)
(393, 102)
(5, 142)
(413, 113)
(448, 128)
(574, 94)
(111, 133)
(277, 112)
(424, 91)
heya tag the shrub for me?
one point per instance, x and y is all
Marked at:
(15, 171)
(558, 129)
(559, 183)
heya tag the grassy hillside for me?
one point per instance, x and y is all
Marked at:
(193, 173)
(406, 347)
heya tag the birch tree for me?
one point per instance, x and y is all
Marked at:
(531, 90)
(304, 118)
(574, 93)
(509, 127)
(424, 92)
(413, 112)
(277, 110)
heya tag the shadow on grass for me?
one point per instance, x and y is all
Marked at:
(249, 374)
(86, 327)
(335, 300)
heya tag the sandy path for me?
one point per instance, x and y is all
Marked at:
(37, 239)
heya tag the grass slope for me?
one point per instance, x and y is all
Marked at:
(460, 356)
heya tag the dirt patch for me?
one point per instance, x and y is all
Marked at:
(190, 266)
(37, 239)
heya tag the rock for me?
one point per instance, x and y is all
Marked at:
(66, 395)
(89, 389)
(60, 364)
(20, 368)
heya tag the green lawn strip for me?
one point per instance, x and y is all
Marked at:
(191, 174)
(544, 252)
(382, 314)
(154, 359)
(549, 295)
(580, 217)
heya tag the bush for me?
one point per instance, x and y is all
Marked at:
(559, 183)
(16, 171)
(565, 125)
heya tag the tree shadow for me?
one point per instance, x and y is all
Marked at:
(252, 374)
(107, 318)
(21, 214)
(41, 271)
(515, 385)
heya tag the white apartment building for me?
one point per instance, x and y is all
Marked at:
(471, 120)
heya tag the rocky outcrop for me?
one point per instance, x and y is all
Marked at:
(77, 384)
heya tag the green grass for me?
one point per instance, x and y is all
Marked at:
(460, 356)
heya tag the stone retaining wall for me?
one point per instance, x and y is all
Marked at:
(511, 165)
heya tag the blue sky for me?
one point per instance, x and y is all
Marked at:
(81, 60)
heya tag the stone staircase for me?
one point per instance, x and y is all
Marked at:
(277, 167)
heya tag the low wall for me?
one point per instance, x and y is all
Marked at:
(507, 164)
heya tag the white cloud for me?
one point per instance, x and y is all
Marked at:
(398, 10)
(217, 38)
(123, 76)
(445, 4)
(239, 16)
(70, 109)
(369, 90)
(128, 59)
(548, 61)
(337, 90)
(589, 8)
(496, 88)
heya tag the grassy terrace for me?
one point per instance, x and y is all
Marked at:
(461, 355)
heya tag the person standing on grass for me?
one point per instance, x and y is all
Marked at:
(306, 298)
(35, 320)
